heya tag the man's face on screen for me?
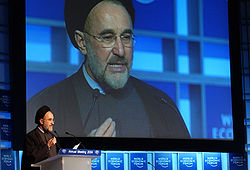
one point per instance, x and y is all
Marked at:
(47, 122)
(108, 47)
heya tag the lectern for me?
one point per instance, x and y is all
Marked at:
(69, 159)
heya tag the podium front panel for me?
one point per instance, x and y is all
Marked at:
(52, 165)
(76, 163)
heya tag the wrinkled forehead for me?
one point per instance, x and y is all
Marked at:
(48, 115)
(106, 6)
(76, 12)
(109, 15)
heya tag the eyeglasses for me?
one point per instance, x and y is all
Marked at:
(108, 39)
(50, 119)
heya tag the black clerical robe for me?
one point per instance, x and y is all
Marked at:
(35, 148)
(71, 99)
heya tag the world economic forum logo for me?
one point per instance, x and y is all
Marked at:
(145, 1)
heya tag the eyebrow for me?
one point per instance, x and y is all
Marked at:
(127, 31)
(111, 31)
(51, 119)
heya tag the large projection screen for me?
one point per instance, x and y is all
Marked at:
(181, 47)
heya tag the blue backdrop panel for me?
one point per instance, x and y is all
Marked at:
(148, 44)
(96, 164)
(155, 16)
(163, 161)
(212, 50)
(6, 129)
(45, 9)
(182, 47)
(187, 161)
(215, 18)
(115, 161)
(7, 159)
(47, 79)
(219, 112)
(238, 161)
(154, 12)
(138, 161)
(5, 101)
(212, 161)
(167, 87)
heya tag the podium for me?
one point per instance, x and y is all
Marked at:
(76, 159)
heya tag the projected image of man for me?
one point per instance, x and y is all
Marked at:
(124, 106)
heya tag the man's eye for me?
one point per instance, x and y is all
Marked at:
(107, 37)
(126, 37)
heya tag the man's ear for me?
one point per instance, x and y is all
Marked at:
(80, 40)
(41, 121)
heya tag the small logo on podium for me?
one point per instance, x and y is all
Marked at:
(64, 151)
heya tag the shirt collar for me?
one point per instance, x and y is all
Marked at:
(92, 83)
(41, 130)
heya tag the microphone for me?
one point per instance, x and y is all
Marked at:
(164, 101)
(96, 94)
(67, 133)
(151, 165)
(56, 134)
(47, 131)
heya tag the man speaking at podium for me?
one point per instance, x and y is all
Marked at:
(40, 143)
(101, 98)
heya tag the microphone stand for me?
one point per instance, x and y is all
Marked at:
(67, 133)
(96, 94)
(151, 165)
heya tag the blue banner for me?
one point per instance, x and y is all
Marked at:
(115, 161)
(84, 152)
(96, 164)
(138, 161)
(155, 11)
(212, 161)
(238, 161)
(187, 161)
(163, 161)
(5, 101)
(7, 159)
(219, 112)
(5, 129)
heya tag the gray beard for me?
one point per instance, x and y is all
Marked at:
(102, 75)
(116, 80)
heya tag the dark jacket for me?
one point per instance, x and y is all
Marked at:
(67, 98)
(35, 150)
